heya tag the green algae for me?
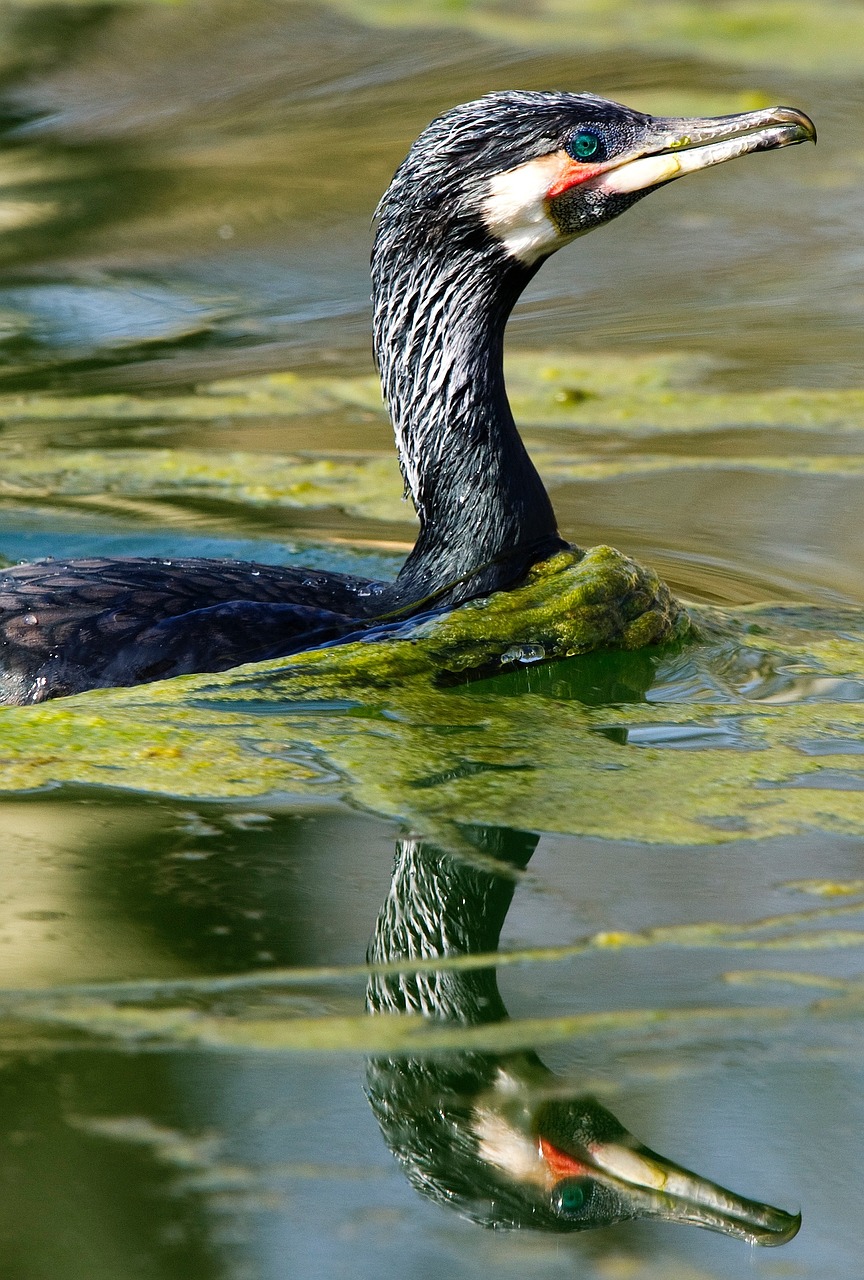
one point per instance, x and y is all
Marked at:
(790, 34)
(643, 394)
(769, 707)
(365, 487)
(605, 399)
(180, 1027)
(385, 727)
(263, 1028)
(634, 392)
(829, 888)
(150, 483)
(759, 977)
(571, 603)
(788, 931)
(251, 397)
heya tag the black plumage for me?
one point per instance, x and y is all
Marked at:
(70, 625)
(466, 223)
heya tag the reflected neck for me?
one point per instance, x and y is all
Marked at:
(440, 905)
(440, 309)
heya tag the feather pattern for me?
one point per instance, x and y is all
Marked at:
(467, 201)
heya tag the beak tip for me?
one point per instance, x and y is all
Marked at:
(806, 127)
(786, 1232)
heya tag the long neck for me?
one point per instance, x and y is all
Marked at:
(441, 906)
(440, 312)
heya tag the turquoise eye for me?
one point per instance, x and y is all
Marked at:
(571, 1197)
(584, 145)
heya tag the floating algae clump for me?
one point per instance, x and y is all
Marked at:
(574, 602)
(769, 706)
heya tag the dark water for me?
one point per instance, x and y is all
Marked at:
(186, 196)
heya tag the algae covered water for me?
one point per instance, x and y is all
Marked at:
(666, 841)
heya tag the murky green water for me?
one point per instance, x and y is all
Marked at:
(192, 872)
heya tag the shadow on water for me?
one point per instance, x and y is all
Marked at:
(593, 679)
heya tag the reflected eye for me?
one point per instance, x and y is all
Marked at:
(585, 145)
(571, 1195)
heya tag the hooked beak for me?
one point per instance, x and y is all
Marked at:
(679, 146)
(649, 1186)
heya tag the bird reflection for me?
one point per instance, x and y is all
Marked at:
(498, 1137)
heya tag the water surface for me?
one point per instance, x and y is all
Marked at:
(186, 203)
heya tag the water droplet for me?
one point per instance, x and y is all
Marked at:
(167, 561)
(30, 620)
(255, 573)
(524, 653)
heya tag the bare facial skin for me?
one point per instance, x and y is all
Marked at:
(520, 207)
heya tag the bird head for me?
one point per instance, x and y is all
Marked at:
(576, 1167)
(531, 171)
(507, 1144)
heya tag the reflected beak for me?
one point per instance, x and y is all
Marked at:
(682, 146)
(653, 1187)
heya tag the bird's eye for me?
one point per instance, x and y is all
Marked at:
(585, 145)
(571, 1196)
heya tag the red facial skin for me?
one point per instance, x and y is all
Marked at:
(573, 173)
(560, 1164)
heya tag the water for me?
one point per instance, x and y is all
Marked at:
(186, 199)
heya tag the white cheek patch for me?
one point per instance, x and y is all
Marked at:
(516, 213)
(507, 1149)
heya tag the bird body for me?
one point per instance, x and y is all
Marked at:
(70, 625)
(485, 195)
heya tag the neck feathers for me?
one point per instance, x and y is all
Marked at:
(441, 906)
(441, 303)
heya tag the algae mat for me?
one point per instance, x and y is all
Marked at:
(615, 417)
(754, 730)
(768, 705)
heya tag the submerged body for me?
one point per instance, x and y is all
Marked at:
(486, 194)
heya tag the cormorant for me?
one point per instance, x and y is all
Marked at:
(498, 1137)
(488, 191)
